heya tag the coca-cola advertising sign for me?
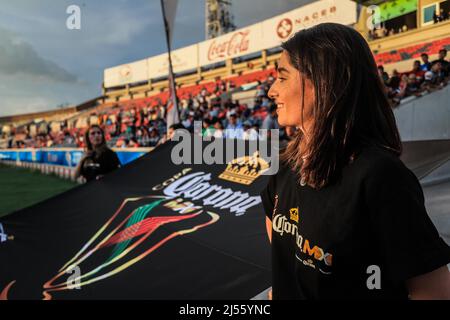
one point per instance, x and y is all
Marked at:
(237, 44)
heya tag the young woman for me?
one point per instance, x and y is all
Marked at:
(345, 217)
(98, 159)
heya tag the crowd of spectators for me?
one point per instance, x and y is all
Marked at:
(45, 138)
(425, 77)
(383, 32)
(221, 117)
(145, 126)
(440, 16)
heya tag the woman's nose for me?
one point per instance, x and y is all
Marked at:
(272, 93)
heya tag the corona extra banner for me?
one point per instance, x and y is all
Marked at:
(150, 230)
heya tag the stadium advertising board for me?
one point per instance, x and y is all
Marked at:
(393, 9)
(231, 45)
(126, 73)
(64, 157)
(183, 59)
(280, 28)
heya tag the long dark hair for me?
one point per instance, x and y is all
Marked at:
(351, 109)
(89, 147)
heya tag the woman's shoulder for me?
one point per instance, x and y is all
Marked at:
(379, 157)
(109, 152)
(284, 174)
(283, 167)
(380, 163)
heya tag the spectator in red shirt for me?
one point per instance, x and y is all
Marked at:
(417, 71)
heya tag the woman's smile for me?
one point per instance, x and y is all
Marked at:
(280, 106)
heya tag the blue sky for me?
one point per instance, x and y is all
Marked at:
(43, 64)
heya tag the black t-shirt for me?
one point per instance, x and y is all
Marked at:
(445, 66)
(102, 164)
(394, 82)
(324, 242)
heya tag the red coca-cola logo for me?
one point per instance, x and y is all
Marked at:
(238, 43)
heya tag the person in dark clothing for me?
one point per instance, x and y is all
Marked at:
(345, 217)
(98, 159)
(394, 81)
(444, 63)
(383, 74)
(170, 133)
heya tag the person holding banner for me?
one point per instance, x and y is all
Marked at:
(345, 217)
(98, 159)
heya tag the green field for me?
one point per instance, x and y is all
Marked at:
(20, 188)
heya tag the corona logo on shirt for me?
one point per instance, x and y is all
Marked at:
(282, 226)
(245, 170)
(293, 212)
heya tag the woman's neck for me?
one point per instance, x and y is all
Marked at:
(97, 149)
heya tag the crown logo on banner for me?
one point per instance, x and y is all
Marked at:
(245, 170)
(293, 212)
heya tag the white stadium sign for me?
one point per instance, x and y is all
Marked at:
(183, 59)
(280, 28)
(267, 34)
(127, 73)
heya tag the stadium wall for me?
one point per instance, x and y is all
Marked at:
(425, 118)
